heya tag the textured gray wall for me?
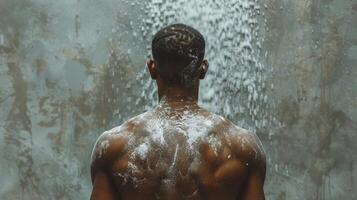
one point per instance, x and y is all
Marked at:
(59, 89)
(312, 48)
(56, 93)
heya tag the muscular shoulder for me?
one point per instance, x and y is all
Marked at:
(248, 147)
(112, 144)
(244, 144)
(108, 143)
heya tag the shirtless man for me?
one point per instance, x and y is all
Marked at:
(178, 150)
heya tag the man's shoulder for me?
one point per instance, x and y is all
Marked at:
(113, 142)
(243, 142)
(108, 144)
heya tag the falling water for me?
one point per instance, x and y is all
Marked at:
(235, 85)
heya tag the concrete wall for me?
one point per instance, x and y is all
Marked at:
(312, 49)
(66, 70)
(57, 93)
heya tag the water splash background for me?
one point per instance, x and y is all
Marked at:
(71, 69)
(236, 77)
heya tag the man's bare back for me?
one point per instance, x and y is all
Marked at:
(178, 151)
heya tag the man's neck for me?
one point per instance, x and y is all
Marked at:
(178, 94)
(178, 103)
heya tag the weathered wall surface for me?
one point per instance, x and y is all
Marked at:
(57, 91)
(312, 49)
(64, 74)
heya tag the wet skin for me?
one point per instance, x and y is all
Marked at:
(178, 151)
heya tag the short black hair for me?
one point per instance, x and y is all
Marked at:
(179, 51)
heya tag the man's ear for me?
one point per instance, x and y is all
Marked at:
(152, 68)
(203, 69)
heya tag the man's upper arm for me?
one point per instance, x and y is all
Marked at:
(106, 149)
(254, 186)
(253, 189)
(103, 188)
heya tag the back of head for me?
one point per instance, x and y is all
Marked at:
(178, 50)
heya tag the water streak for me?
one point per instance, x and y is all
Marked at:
(235, 85)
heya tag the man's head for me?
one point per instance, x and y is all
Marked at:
(178, 51)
